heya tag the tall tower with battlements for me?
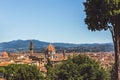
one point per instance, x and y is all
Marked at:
(31, 48)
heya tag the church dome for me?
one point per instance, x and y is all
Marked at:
(50, 48)
(4, 54)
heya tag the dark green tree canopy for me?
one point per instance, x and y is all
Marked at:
(22, 72)
(79, 68)
(100, 14)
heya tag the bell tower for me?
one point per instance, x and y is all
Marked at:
(31, 48)
(64, 54)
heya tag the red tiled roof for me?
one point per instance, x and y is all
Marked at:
(43, 69)
(50, 48)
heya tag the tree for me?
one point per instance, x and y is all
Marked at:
(2, 70)
(104, 15)
(79, 68)
(22, 72)
(49, 64)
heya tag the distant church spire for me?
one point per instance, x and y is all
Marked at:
(31, 48)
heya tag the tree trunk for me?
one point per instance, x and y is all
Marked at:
(117, 51)
(115, 31)
(118, 44)
(117, 60)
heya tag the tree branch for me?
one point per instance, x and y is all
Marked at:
(112, 32)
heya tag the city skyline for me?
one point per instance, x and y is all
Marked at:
(47, 20)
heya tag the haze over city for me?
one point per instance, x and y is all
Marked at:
(47, 20)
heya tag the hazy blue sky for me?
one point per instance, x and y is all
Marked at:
(47, 20)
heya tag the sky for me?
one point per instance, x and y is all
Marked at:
(47, 20)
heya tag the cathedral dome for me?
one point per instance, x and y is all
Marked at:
(4, 54)
(50, 48)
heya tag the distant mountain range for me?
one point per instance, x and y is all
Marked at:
(23, 45)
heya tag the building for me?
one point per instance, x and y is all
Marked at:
(31, 48)
(50, 52)
(40, 59)
(4, 54)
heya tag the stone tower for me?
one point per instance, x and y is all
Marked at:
(64, 54)
(31, 48)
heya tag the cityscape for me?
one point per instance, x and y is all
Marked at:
(60, 40)
(105, 59)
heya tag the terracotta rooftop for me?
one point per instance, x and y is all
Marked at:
(43, 69)
(50, 48)
(5, 63)
(4, 54)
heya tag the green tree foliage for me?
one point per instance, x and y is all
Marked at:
(2, 70)
(50, 70)
(22, 72)
(51, 74)
(100, 14)
(112, 71)
(79, 68)
(104, 15)
(49, 64)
